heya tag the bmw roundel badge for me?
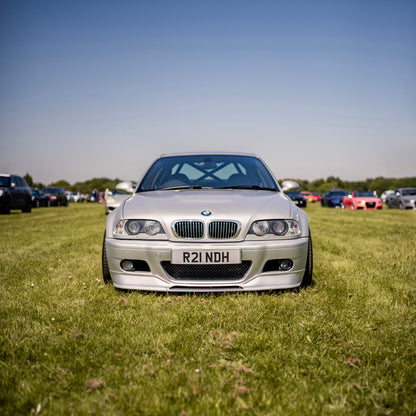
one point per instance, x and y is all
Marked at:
(206, 213)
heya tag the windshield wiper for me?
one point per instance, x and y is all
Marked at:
(172, 188)
(255, 187)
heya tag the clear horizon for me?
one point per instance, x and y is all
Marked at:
(99, 89)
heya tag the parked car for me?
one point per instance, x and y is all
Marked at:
(208, 222)
(114, 198)
(57, 195)
(95, 196)
(14, 194)
(297, 198)
(317, 196)
(362, 200)
(309, 196)
(5, 197)
(334, 198)
(384, 195)
(39, 199)
(77, 197)
(74, 196)
(403, 198)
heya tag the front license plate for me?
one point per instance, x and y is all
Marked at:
(206, 257)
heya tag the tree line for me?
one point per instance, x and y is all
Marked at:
(379, 184)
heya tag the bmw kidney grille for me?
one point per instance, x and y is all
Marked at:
(217, 230)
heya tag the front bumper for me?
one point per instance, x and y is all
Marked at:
(336, 203)
(410, 204)
(369, 206)
(258, 253)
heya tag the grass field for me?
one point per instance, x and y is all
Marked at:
(71, 345)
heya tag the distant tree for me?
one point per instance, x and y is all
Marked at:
(100, 183)
(38, 185)
(62, 183)
(29, 180)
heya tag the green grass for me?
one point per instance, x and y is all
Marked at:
(71, 345)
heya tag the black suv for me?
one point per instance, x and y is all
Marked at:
(14, 194)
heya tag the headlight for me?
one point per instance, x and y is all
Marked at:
(111, 200)
(1, 192)
(279, 228)
(260, 228)
(135, 227)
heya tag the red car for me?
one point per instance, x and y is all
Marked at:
(56, 195)
(309, 196)
(362, 200)
(317, 196)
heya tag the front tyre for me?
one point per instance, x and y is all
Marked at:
(106, 271)
(6, 207)
(307, 277)
(28, 207)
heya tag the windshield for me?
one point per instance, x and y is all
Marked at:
(337, 193)
(363, 193)
(52, 191)
(207, 171)
(408, 192)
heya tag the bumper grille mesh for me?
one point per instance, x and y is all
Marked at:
(206, 271)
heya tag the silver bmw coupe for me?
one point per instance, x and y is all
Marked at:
(208, 222)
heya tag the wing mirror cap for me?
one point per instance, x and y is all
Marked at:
(289, 186)
(125, 187)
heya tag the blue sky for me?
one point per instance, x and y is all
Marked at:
(100, 88)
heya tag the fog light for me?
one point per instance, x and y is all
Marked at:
(286, 265)
(127, 265)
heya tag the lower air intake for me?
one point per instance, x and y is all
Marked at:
(213, 272)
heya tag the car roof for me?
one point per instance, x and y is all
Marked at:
(5, 175)
(207, 153)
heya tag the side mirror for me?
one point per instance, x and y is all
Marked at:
(125, 187)
(289, 186)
